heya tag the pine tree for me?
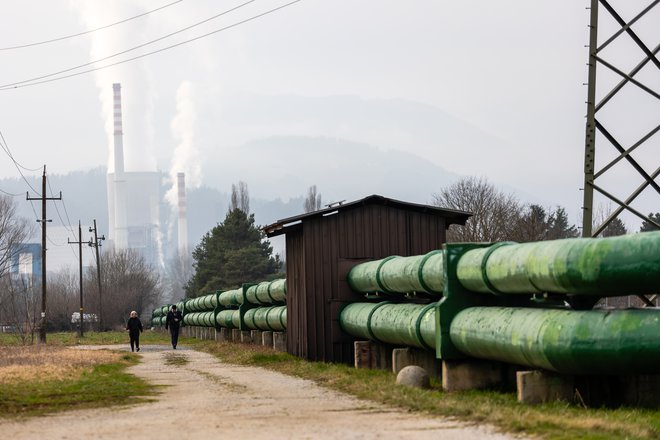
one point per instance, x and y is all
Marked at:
(616, 227)
(648, 226)
(558, 226)
(232, 253)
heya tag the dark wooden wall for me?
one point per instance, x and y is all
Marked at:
(322, 250)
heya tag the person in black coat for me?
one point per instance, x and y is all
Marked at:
(134, 328)
(173, 322)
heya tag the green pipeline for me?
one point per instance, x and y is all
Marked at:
(231, 298)
(266, 318)
(158, 320)
(202, 303)
(267, 292)
(397, 324)
(200, 319)
(228, 318)
(603, 342)
(615, 266)
(419, 273)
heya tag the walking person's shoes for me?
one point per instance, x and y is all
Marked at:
(138, 349)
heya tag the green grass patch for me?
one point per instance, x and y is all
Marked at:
(98, 338)
(175, 359)
(555, 421)
(100, 386)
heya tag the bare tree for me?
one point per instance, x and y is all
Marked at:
(128, 283)
(240, 197)
(19, 299)
(494, 213)
(14, 230)
(313, 200)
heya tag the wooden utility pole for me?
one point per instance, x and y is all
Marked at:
(80, 243)
(97, 244)
(43, 221)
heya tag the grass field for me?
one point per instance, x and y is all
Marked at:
(40, 379)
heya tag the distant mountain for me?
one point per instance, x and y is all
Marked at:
(286, 166)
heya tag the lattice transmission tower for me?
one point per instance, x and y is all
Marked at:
(628, 128)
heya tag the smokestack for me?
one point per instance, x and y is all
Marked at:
(118, 132)
(183, 221)
(119, 208)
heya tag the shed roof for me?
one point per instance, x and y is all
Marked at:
(453, 216)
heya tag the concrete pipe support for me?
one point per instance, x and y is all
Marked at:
(410, 325)
(603, 342)
(419, 273)
(614, 266)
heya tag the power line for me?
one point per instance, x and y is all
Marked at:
(66, 37)
(155, 51)
(70, 228)
(5, 148)
(10, 194)
(127, 50)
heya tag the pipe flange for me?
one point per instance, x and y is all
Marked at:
(421, 269)
(484, 261)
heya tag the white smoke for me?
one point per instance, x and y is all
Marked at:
(185, 158)
(135, 79)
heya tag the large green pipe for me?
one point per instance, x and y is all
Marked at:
(419, 273)
(266, 318)
(267, 292)
(615, 266)
(566, 341)
(229, 318)
(202, 303)
(231, 298)
(200, 319)
(398, 324)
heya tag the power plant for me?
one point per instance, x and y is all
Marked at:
(134, 202)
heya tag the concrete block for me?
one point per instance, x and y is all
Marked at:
(403, 357)
(235, 335)
(362, 356)
(279, 341)
(224, 334)
(470, 375)
(256, 336)
(267, 339)
(246, 336)
(541, 386)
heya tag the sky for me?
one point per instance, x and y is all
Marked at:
(511, 70)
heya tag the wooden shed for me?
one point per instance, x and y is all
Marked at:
(322, 246)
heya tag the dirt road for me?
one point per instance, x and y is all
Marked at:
(207, 399)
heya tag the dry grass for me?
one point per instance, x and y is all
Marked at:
(43, 363)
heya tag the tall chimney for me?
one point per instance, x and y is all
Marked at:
(120, 226)
(118, 132)
(183, 221)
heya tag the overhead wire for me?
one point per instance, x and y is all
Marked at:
(20, 85)
(89, 63)
(66, 37)
(5, 148)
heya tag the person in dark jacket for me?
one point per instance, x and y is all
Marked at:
(134, 328)
(173, 322)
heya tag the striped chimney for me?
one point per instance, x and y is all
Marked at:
(118, 131)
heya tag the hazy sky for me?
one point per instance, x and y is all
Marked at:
(512, 69)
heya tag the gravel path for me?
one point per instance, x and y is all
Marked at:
(207, 399)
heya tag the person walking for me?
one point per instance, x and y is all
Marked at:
(173, 322)
(134, 328)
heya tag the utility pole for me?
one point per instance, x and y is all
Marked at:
(43, 221)
(80, 243)
(97, 244)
